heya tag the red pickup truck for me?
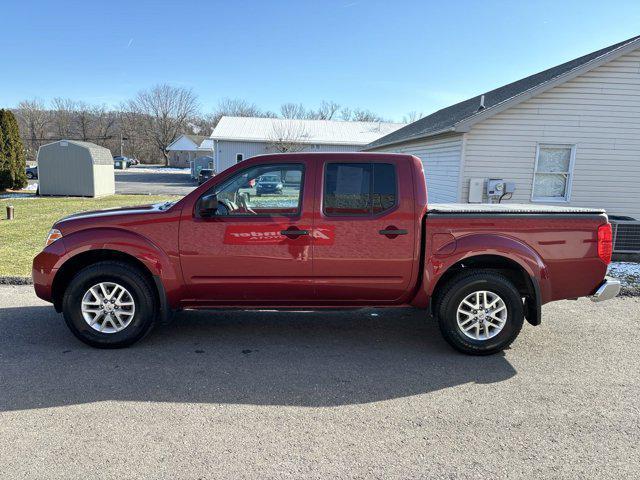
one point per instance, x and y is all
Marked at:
(345, 230)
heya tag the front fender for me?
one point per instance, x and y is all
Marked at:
(157, 261)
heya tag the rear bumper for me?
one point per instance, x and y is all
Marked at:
(608, 289)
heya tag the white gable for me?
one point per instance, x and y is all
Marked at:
(183, 143)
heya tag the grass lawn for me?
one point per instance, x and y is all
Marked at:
(23, 238)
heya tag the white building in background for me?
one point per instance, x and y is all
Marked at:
(569, 135)
(237, 138)
(186, 148)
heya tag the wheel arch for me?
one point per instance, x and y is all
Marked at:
(89, 257)
(525, 281)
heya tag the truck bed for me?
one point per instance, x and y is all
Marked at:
(507, 209)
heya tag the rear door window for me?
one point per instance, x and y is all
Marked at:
(359, 189)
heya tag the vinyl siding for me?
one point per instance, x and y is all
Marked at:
(441, 160)
(227, 151)
(598, 111)
(70, 171)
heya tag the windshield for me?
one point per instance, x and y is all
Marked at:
(269, 178)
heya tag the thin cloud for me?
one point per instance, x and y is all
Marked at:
(130, 42)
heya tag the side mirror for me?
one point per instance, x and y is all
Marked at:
(208, 205)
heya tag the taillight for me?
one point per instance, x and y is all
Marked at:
(605, 243)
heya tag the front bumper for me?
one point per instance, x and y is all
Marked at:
(608, 289)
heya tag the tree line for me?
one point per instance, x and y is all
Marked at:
(144, 126)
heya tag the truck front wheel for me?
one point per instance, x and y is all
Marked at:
(109, 304)
(479, 312)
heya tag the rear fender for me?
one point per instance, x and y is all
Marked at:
(474, 245)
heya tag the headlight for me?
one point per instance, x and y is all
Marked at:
(54, 234)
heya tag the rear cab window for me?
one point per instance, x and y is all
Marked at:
(359, 189)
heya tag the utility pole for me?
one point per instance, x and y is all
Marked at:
(122, 140)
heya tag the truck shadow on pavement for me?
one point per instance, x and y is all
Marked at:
(259, 358)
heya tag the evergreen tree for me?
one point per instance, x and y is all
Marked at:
(12, 154)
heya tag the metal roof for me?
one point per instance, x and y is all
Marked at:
(327, 132)
(448, 118)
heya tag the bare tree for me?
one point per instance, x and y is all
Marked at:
(326, 111)
(292, 110)
(64, 113)
(412, 116)
(85, 121)
(203, 125)
(287, 135)
(236, 107)
(161, 114)
(362, 115)
(346, 114)
(105, 127)
(34, 121)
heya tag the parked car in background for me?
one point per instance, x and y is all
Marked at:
(356, 231)
(269, 184)
(204, 175)
(127, 161)
(32, 172)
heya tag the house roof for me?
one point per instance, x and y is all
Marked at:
(449, 118)
(195, 139)
(327, 132)
(207, 144)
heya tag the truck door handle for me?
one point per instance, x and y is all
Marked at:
(294, 233)
(393, 232)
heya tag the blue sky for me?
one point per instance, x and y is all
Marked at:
(389, 57)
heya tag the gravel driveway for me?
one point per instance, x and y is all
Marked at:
(372, 393)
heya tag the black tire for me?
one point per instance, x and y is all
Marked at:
(130, 278)
(457, 289)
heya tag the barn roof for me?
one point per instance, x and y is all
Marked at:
(99, 155)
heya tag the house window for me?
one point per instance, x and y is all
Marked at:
(352, 189)
(239, 157)
(553, 173)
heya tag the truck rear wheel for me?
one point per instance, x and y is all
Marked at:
(480, 312)
(109, 304)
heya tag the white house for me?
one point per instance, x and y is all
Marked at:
(569, 135)
(186, 148)
(238, 138)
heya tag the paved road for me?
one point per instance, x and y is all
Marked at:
(138, 181)
(372, 393)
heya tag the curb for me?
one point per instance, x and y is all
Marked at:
(16, 281)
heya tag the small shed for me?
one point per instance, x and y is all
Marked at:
(75, 168)
(200, 163)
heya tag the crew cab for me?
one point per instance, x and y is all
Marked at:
(347, 230)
